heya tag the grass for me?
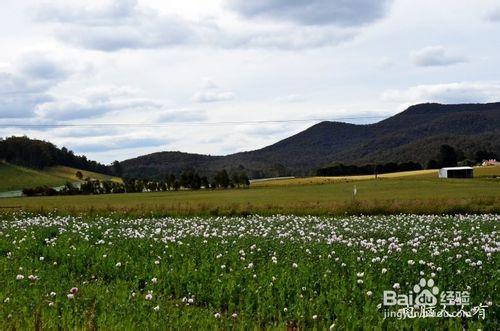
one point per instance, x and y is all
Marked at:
(386, 195)
(246, 273)
(16, 178)
(418, 174)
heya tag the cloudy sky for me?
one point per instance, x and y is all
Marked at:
(179, 64)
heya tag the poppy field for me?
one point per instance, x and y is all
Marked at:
(255, 272)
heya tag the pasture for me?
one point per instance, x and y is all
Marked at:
(275, 272)
(479, 172)
(14, 177)
(418, 194)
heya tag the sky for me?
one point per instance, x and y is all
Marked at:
(222, 76)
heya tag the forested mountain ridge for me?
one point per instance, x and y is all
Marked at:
(415, 134)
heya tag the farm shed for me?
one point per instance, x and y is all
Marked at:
(456, 172)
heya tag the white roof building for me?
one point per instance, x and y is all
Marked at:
(456, 172)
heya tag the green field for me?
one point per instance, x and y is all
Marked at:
(479, 172)
(386, 195)
(246, 273)
(14, 177)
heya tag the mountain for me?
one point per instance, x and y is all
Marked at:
(412, 135)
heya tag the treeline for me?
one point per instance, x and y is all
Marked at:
(450, 157)
(40, 154)
(369, 169)
(447, 156)
(89, 186)
(188, 180)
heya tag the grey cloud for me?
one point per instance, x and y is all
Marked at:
(144, 35)
(27, 85)
(494, 15)
(113, 27)
(435, 56)
(39, 66)
(106, 13)
(95, 102)
(344, 13)
(21, 105)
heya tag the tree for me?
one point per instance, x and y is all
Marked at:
(236, 179)
(432, 164)
(117, 168)
(204, 182)
(170, 180)
(176, 185)
(79, 175)
(484, 155)
(222, 179)
(447, 156)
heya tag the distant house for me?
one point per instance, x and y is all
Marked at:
(491, 162)
(456, 172)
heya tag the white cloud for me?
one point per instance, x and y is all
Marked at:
(95, 102)
(208, 83)
(463, 92)
(116, 142)
(212, 96)
(284, 37)
(211, 92)
(292, 98)
(181, 115)
(435, 56)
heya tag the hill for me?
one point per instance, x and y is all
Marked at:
(412, 135)
(39, 154)
(16, 177)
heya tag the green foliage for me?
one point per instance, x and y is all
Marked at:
(40, 154)
(239, 273)
(447, 157)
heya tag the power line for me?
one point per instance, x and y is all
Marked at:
(71, 125)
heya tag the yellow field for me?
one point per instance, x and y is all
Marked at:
(70, 174)
(418, 174)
